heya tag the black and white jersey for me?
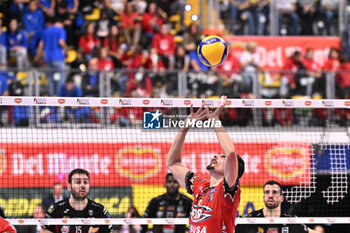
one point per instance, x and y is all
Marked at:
(270, 228)
(63, 209)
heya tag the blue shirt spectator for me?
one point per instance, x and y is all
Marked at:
(69, 89)
(195, 60)
(4, 86)
(17, 38)
(51, 43)
(34, 24)
(52, 46)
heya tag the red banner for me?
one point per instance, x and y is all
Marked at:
(273, 51)
(124, 164)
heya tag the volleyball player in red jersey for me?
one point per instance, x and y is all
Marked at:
(6, 227)
(214, 208)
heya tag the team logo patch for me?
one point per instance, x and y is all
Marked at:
(91, 212)
(50, 209)
(65, 229)
(200, 213)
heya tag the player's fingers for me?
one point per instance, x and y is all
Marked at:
(191, 109)
(200, 109)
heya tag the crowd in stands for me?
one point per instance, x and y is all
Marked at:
(138, 36)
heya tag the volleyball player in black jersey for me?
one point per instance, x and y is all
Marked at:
(78, 205)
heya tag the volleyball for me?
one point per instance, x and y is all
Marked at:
(212, 51)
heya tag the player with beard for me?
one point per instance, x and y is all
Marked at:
(216, 199)
(273, 199)
(78, 205)
(172, 204)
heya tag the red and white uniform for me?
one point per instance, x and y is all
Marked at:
(5, 226)
(214, 209)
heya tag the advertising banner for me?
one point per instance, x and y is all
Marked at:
(273, 51)
(124, 164)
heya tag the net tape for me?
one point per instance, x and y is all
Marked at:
(176, 221)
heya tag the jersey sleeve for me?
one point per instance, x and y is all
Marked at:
(190, 181)
(105, 228)
(50, 213)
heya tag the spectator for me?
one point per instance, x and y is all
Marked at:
(38, 212)
(314, 80)
(172, 204)
(333, 63)
(151, 22)
(228, 72)
(343, 78)
(17, 43)
(52, 47)
(63, 15)
(136, 228)
(90, 82)
(69, 89)
(73, 5)
(47, 6)
(55, 196)
(104, 63)
(250, 66)
(307, 12)
(112, 42)
(192, 37)
(89, 42)
(273, 198)
(3, 45)
(5, 226)
(292, 71)
(103, 25)
(34, 24)
(182, 60)
(262, 11)
(139, 86)
(287, 8)
(130, 25)
(114, 7)
(165, 45)
(329, 9)
(241, 9)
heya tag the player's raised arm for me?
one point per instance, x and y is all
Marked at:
(174, 157)
(231, 165)
(42, 230)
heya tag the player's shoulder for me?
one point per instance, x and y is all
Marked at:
(285, 214)
(257, 213)
(95, 205)
(56, 207)
(185, 198)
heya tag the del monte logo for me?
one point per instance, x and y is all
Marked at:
(18, 100)
(61, 101)
(104, 101)
(308, 103)
(347, 103)
(187, 102)
(138, 163)
(146, 102)
(268, 102)
(286, 162)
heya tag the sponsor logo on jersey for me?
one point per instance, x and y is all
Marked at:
(65, 229)
(198, 229)
(91, 212)
(50, 209)
(200, 213)
(272, 230)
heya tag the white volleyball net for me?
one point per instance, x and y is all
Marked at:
(123, 143)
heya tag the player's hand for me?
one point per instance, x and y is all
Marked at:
(216, 113)
(199, 115)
